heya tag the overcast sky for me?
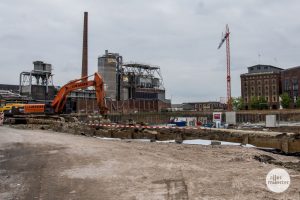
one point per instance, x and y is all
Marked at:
(180, 36)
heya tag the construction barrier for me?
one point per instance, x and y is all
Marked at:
(1, 118)
(144, 127)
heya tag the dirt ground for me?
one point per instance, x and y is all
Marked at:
(36, 164)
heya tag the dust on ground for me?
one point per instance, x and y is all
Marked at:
(36, 164)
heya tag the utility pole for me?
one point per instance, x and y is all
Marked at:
(225, 37)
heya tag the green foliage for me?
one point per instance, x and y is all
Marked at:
(285, 100)
(263, 104)
(254, 103)
(237, 103)
(258, 103)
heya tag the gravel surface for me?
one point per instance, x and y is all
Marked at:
(36, 164)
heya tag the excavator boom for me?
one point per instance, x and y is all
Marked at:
(61, 97)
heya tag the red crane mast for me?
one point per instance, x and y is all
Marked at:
(225, 37)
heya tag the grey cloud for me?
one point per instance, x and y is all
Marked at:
(180, 36)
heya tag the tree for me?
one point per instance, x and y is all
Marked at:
(258, 103)
(238, 103)
(254, 104)
(262, 103)
(285, 100)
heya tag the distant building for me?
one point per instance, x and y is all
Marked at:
(8, 96)
(176, 107)
(11, 88)
(261, 81)
(290, 79)
(204, 106)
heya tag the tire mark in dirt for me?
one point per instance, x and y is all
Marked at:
(176, 188)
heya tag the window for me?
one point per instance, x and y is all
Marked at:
(295, 84)
(295, 93)
(266, 82)
(266, 67)
(286, 85)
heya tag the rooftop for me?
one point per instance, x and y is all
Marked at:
(140, 65)
(261, 65)
(259, 73)
(292, 68)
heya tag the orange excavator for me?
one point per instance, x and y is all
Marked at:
(61, 97)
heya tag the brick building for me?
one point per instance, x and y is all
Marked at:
(290, 83)
(261, 81)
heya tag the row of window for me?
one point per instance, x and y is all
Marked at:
(291, 85)
(259, 77)
(258, 67)
(214, 105)
(260, 88)
(274, 99)
(259, 93)
(259, 82)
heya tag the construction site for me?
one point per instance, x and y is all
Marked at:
(114, 134)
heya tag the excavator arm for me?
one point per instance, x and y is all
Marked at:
(61, 97)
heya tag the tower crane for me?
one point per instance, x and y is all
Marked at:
(225, 37)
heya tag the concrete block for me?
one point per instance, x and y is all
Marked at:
(230, 118)
(245, 139)
(215, 142)
(271, 121)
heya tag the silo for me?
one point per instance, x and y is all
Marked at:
(107, 67)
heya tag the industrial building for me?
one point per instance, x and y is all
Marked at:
(261, 81)
(37, 84)
(132, 87)
(110, 67)
(130, 80)
(34, 86)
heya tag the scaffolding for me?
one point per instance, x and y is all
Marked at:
(144, 74)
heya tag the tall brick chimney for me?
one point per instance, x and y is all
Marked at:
(84, 71)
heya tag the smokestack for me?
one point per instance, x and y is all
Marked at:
(84, 71)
